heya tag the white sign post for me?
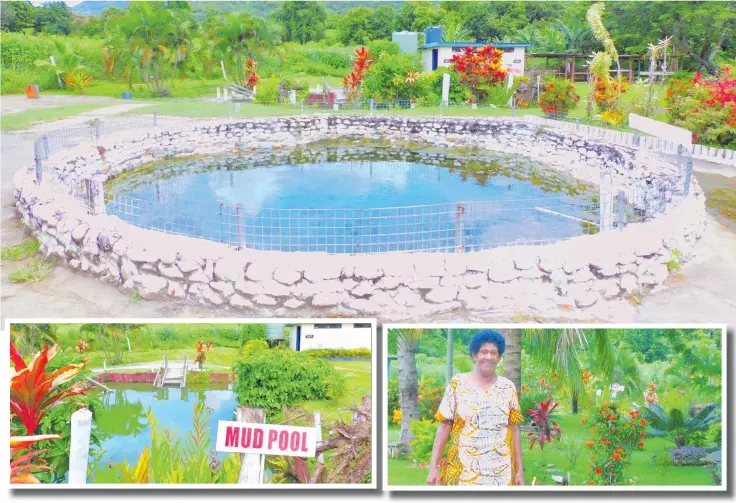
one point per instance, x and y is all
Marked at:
(446, 88)
(79, 451)
(222, 65)
(275, 439)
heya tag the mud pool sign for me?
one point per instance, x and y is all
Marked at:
(275, 439)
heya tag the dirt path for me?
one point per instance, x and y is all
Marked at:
(704, 292)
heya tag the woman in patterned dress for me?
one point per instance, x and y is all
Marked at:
(480, 417)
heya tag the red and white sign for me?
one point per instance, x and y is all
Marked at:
(277, 439)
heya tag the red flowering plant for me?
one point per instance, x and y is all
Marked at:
(479, 70)
(430, 396)
(252, 77)
(607, 97)
(202, 350)
(543, 430)
(706, 105)
(614, 436)
(558, 97)
(352, 81)
(33, 391)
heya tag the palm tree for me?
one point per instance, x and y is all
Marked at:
(558, 351)
(403, 343)
(31, 337)
(512, 357)
(576, 35)
(239, 37)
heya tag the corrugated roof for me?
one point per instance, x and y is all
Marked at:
(501, 45)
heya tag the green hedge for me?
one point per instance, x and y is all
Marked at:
(338, 353)
(272, 379)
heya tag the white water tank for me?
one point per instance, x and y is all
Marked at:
(275, 331)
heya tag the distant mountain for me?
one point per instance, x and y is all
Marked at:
(263, 10)
(95, 8)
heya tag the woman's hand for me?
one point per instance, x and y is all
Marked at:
(433, 479)
(519, 478)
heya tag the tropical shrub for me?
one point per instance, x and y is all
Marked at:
(705, 105)
(393, 398)
(202, 350)
(543, 429)
(392, 78)
(431, 392)
(679, 426)
(268, 92)
(338, 353)
(458, 93)
(352, 81)
(689, 456)
(558, 97)
(272, 379)
(23, 460)
(379, 47)
(613, 436)
(424, 431)
(479, 69)
(254, 347)
(662, 458)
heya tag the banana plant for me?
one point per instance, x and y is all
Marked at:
(66, 60)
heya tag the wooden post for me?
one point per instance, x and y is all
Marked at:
(631, 70)
(318, 428)
(79, 451)
(574, 64)
(251, 465)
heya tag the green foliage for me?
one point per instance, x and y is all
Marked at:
(112, 338)
(393, 397)
(338, 353)
(34, 271)
(268, 92)
(27, 248)
(378, 47)
(168, 461)
(678, 425)
(302, 21)
(386, 79)
(430, 395)
(458, 93)
(270, 380)
(254, 347)
(662, 459)
(424, 433)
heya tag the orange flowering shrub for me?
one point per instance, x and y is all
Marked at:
(615, 436)
(558, 97)
(479, 68)
(606, 94)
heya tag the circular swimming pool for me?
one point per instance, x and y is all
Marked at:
(343, 200)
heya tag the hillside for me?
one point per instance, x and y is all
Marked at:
(263, 10)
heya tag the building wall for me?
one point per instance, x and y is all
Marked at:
(345, 337)
(513, 60)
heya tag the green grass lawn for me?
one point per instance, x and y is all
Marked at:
(24, 120)
(402, 472)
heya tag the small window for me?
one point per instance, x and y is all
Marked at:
(362, 325)
(328, 325)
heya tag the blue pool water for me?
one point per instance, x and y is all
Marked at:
(355, 206)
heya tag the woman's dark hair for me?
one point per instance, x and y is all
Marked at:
(485, 337)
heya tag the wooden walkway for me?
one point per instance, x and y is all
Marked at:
(172, 373)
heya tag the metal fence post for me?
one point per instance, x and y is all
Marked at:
(240, 228)
(442, 106)
(39, 164)
(301, 107)
(46, 150)
(513, 113)
(98, 129)
(680, 149)
(577, 123)
(636, 137)
(606, 202)
(620, 215)
(230, 109)
(373, 105)
(688, 173)
(155, 115)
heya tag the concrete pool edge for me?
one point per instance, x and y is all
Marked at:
(579, 272)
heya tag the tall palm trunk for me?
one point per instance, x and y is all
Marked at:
(512, 358)
(408, 388)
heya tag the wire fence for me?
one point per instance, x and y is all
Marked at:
(463, 226)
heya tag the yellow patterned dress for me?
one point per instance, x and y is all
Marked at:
(479, 451)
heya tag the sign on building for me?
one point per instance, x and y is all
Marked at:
(276, 439)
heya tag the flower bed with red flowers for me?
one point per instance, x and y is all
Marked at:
(614, 435)
(706, 105)
(479, 69)
(558, 97)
